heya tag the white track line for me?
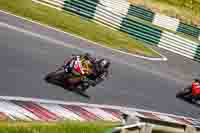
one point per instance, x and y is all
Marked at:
(49, 39)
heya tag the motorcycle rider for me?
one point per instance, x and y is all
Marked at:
(85, 66)
(196, 89)
(85, 59)
(100, 72)
(97, 72)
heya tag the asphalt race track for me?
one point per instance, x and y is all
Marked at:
(26, 58)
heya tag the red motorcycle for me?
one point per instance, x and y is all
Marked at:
(66, 79)
(189, 93)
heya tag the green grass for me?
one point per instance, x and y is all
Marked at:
(187, 11)
(74, 24)
(62, 127)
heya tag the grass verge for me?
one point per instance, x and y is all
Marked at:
(61, 127)
(75, 24)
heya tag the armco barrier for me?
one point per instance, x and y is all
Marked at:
(140, 31)
(29, 109)
(84, 8)
(120, 6)
(116, 19)
(107, 17)
(179, 45)
(141, 13)
(150, 16)
(156, 19)
(166, 22)
(189, 29)
(197, 54)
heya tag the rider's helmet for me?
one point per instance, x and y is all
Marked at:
(104, 63)
(196, 80)
(87, 55)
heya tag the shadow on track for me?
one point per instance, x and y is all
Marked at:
(188, 100)
(61, 84)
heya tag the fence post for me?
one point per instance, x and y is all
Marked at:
(190, 129)
(147, 128)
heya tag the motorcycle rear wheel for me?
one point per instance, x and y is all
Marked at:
(59, 76)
